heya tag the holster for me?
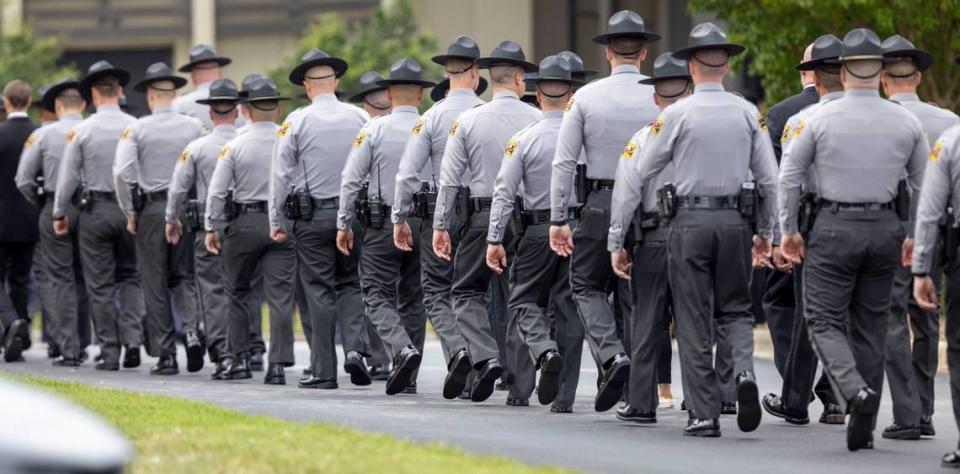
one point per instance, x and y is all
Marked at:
(424, 202)
(581, 184)
(136, 197)
(193, 215)
(667, 202)
(466, 207)
(83, 199)
(951, 238)
(230, 208)
(517, 223)
(901, 203)
(377, 212)
(39, 191)
(749, 203)
(807, 216)
(362, 204)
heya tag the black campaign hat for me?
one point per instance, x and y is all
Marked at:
(247, 81)
(826, 50)
(262, 89)
(37, 99)
(897, 46)
(203, 53)
(861, 43)
(368, 85)
(100, 69)
(507, 53)
(49, 97)
(313, 58)
(553, 68)
(405, 71)
(159, 72)
(577, 68)
(626, 24)
(463, 47)
(439, 91)
(221, 90)
(707, 36)
(668, 66)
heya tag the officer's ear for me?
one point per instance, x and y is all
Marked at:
(643, 54)
(609, 53)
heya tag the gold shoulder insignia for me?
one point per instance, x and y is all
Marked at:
(359, 140)
(223, 152)
(454, 128)
(937, 149)
(71, 135)
(511, 149)
(800, 126)
(184, 155)
(762, 121)
(569, 104)
(282, 132)
(657, 126)
(418, 127)
(126, 133)
(30, 140)
(785, 136)
(629, 150)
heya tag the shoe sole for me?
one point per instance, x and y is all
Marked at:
(642, 421)
(131, 362)
(610, 394)
(904, 435)
(456, 380)
(18, 343)
(358, 373)
(561, 410)
(860, 429)
(402, 379)
(748, 411)
(237, 376)
(274, 381)
(549, 385)
(318, 387)
(484, 385)
(195, 358)
(703, 434)
(928, 432)
(165, 372)
(835, 419)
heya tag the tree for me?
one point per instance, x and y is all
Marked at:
(369, 45)
(777, 31)
(24, 56)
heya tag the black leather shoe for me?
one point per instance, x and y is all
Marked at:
(551, 365)
(748, 401)
(317, 383)
(683, 405)
(901, 432)
(863, 409)
(166, 365)
(62, 361)
(195, 351)
(561, 408)
(379, 372)
(466, 395)
(131, 357)
(773, 404)
(951, 460)
(615, 374)
(107, 366)
(702, 428)
(517, 402)
(629, 413)
(410, 389)
(487, 376)
(256, 360)
(357, 369)
(404, 364)
(307, 372)
(275, 375)
(53, 351)
(221, 370)
(239, 369)
(502, 386)
(728, 408)
(833, 415)
(457, 371)
(16, 340)
(926, 426)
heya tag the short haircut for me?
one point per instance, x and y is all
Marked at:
(864, 68)
(627, 48)
(503, 75)
(457, 66)
(829, 80)
(711, 61)
(669, 89)
(263, 110)
(405, 91)
(71, 99)
(18, 93)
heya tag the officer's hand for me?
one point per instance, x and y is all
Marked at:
(780, 262)
(212, 242)
(621, 263)
(345, 241)
(61, 227)
(132, 225)
(402, 236)
(793, 249)
(906, 256)
(496, 258)
(173, 232)
(278, 235)
(441, 244)
(762, 250)
(561, 240)
(925, 293)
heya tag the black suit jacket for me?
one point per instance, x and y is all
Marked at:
(18, 217)
(778, 115)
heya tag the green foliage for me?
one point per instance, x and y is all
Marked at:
(777, 31)
(368, 45)
(26, 57)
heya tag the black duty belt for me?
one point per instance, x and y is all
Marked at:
(708, 202)
(834, 206)
(256, 207)
(649, 220)
(481, 204)
(103, 196)
(540, 216)
(598, 184)
(328, 203)
(155, 196)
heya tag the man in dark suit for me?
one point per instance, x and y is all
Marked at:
(18, 224)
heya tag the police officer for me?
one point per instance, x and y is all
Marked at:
(600, 119)
(855, 243)
(64, 296)
(422, 157)
(395, 309)
(194, 170)
(910, 373)
(205, 66)
(242, 222)
(442, 89)
(146, 156)
(476, 143)
(371, 96)
(647, 269)
(537, 272)
(107, 251)
(313, 145)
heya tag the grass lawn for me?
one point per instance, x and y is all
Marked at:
(176, 435)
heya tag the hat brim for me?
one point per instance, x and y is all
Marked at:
(922, 58)
(861, 57)
(362, 94)
(190, 66)
(645, 36)
(141, 85)
(537, 80)
(87, 82)
(276, 98)
(488, 62)
(409, 82)
(731, 49)
(223, 98)
(299, 73)
(49, 99)
(813, 63)
(442, 59)
(654, 80)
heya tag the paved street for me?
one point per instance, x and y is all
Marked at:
(583, 440)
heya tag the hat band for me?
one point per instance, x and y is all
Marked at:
(627, 53)
(254, 103)
(471, 66)
(317, 78)
(151, 85)
(674, 96)
(697, 59)
(200, 64)
(552, 96)
(858, 76)
(227, 110)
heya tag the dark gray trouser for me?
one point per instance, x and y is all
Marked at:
(437, 284)
(213, 299)
(709, 265)
(510, 346)
(569, 334)
(901, 379)
(780, 308)
(952, 333)
(64, 294)
(925, 326)
(373, 345)
(652, 299)
(109, 260)
(246, 247)
(167, 274)
(590, 277)
(723, 365)
(851, 258)
(255, 313)
(471, 284)
(395, 309)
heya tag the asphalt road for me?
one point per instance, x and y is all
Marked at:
(585, 440)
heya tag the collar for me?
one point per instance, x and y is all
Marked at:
(461, 92)
(328, 97)
(13, 115)
(708, 87)
(162, 110)
(501, 95)
(262, 126)
(809, 86)
(108, 108)
(553, 114)
(831, 96)
(905, 97)
(224, 128)
(625, 69)
(858, 92)
(70, 117)
(203, 87)
(405, 109)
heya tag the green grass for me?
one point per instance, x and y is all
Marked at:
(176, 435)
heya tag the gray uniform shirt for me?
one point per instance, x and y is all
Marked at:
(600, 118)
(243, 165)
(89, 154)
(311, 151)
(195, 168)
(42, 154)
(941, 182)
(933, 119)
(148, 151)
(856, 149)
(716, 142)
(424, 150)
(376, 155)
(475, 148)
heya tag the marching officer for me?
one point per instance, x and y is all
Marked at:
(205, 66)
(473, 153)
(107, 250)
(146, 156)
(422, 157)
(647, 269)
(390, 278)
(238, 230)
(855, 244)
(601, 117)
(194, 170)
(442, 89)
(372, 97)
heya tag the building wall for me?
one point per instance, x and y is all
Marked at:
(487, 21)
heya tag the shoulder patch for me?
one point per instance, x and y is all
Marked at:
(510, 149)
(762, 121)
(785, 136)
(657, 125)
(126, 133)
(184, 156)
(797, 131)
(417, 127)
(282, 132)
(629, 150)
(454, 127)
(223, 152)
(30, 140)
(203, 129)
(569, 104)
(936, 150)
(359, 140)
(71, 135)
